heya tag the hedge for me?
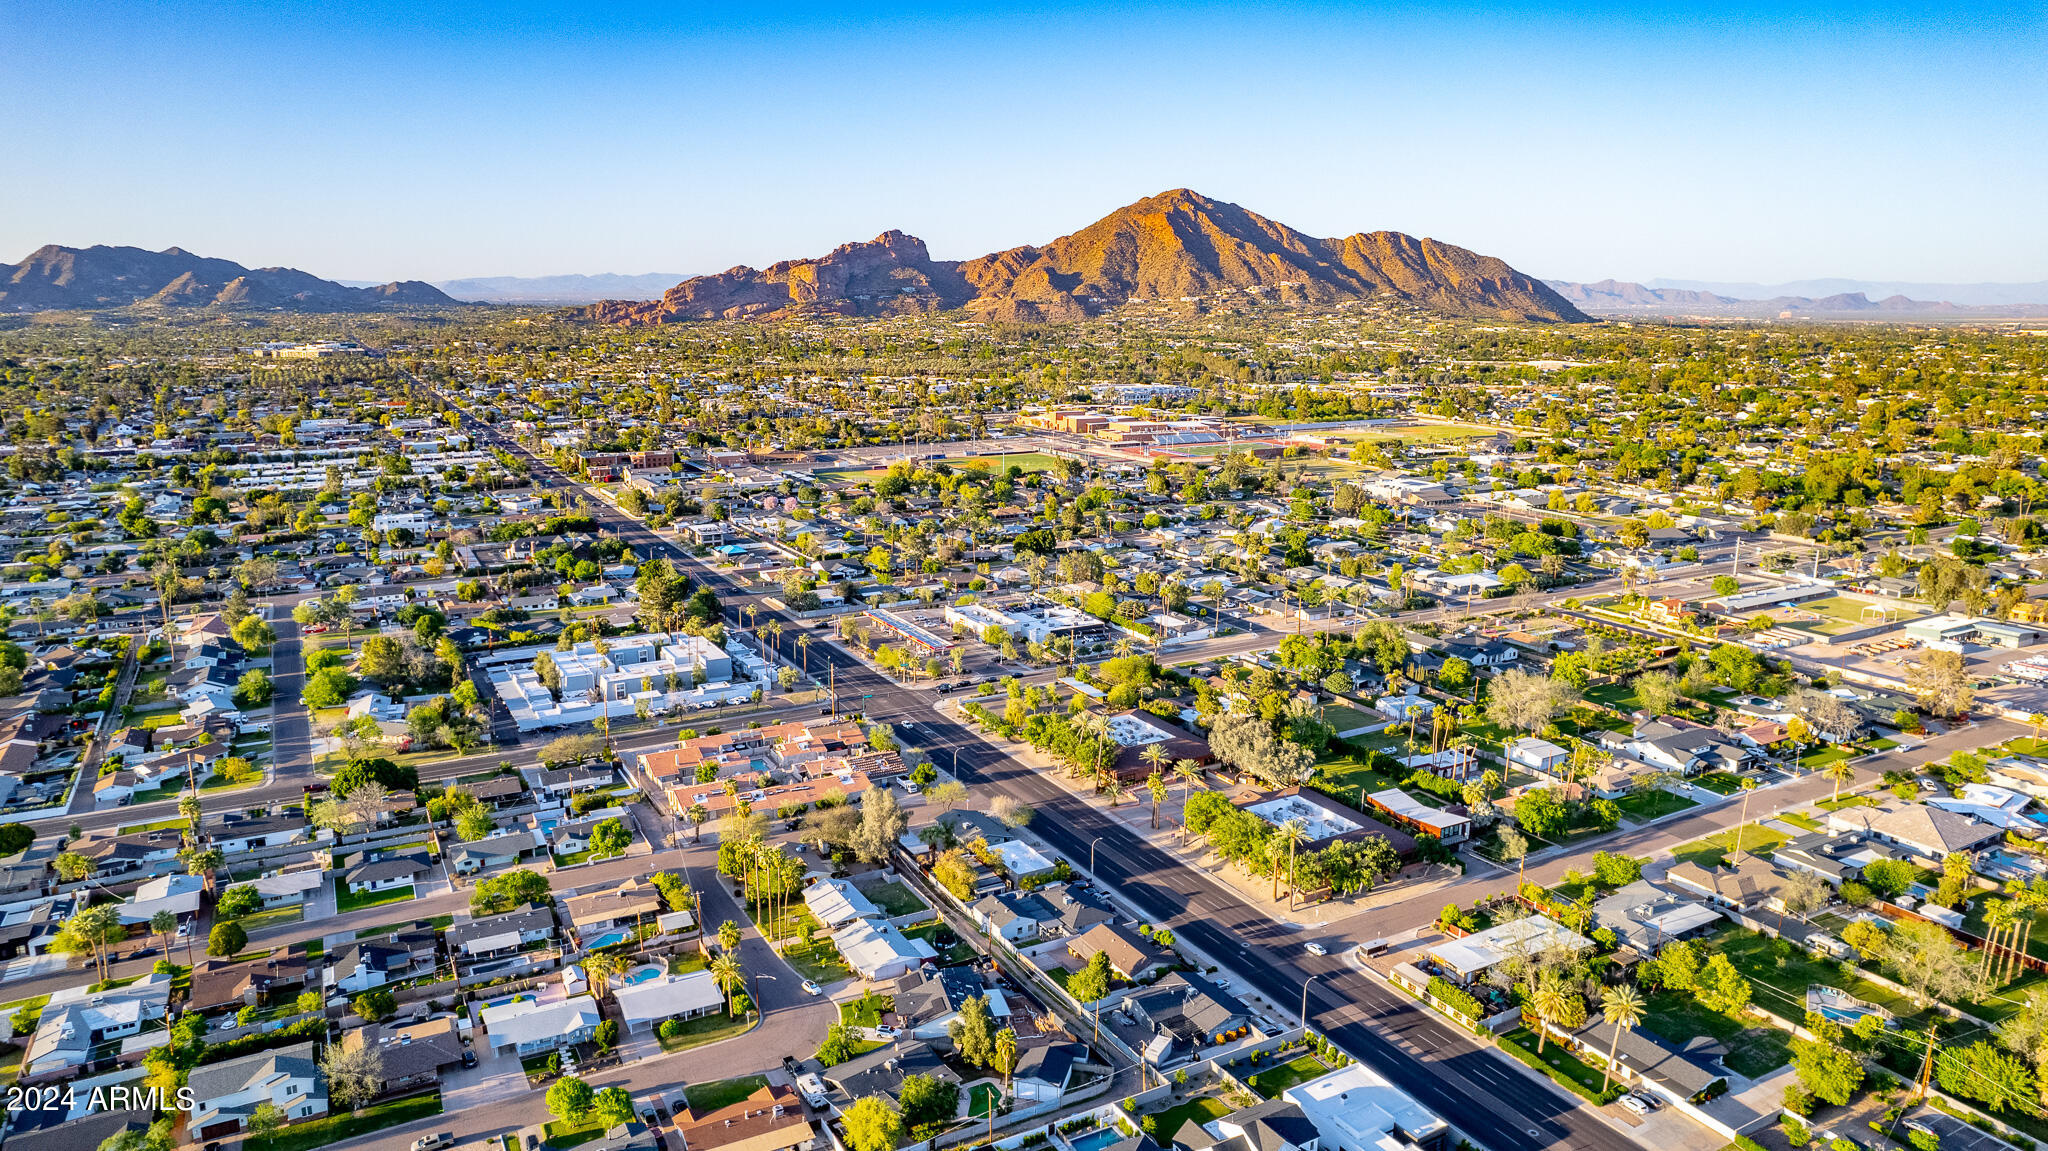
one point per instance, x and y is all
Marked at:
(1455, 997)
(1597, 1098)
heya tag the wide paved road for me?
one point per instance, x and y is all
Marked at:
(1493, 1103)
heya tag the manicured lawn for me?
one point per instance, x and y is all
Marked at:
(559, 1133)
(895, 899)
(1752, 1051)
(1203, 1110)
(1344, 718)
(1803, 822)
(1647, 805)
(1814, 761)
(706, 1029)
(685, 963)
(1848, 801)
(817, 961)
(1713, 851)
(1348, 778)
(1720, 782)
(438, 923)
(723, 1092)
(1561, 1064)
(351, 900)
(867, 1010)
(276, 916)
(335, 1128)
(176, 821)
(984, 1097)
(1273, 1080)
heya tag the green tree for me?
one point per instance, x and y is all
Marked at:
(614, 1105)
(973, 1032)
(1722, 988)
(1825, 1068)
(570, 1099)
(872, 1125)
(374, 1005)
(226, 939)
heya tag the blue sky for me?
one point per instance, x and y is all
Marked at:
(1714, 140)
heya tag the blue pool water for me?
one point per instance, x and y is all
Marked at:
(1095, 1140)
(641, 974)
(608, 939)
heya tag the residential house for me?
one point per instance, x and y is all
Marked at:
(877, 951)
(836, 903)
(627, 905)
(1179, 1016)
(1838, 858)
(773, 1118)
(562, 782)
(379, 871)
(1045, 1074)
(1537, 755)
(926, 1005)
(1355, 1108)
(1748, 885)
(489, 853)
(238, 832)
(1017, 918)
(365, 963)
(1646, 917)
(528, 1026)
(647, 1004)
(1930, 834)
(223, 984)
(226, 1094)
(1472, 956)
(413, 1054)
(1130, 955)
(1681, 1072)
(77, 1020)
(504, 934)
(1274, 1125)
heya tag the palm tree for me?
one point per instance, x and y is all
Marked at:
(698, 815)
(188, 807)
(803, 649)
(1190, 775)
(2000, 916)
(1622, 1006)
(730, 976)
(774, 630)
(1294, 833)
(1841, 772)
(1549, 1002)
(600, 967)
(163, 923)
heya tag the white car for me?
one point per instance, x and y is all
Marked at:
(1635, 1105)
(811, 988)
(1317, 949)
(883, 1032)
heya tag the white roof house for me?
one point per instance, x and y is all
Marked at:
(646, 1004)
(528, 1025)
(836, 903)
(1475, 953)
(1357, 1109)
(1021, 859)
(177, 894)
(879, 951)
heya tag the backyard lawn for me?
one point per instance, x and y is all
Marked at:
(984, 1097)
(894, 899)
(562, 1133)
(1274, 1080)
(1777, 964)
(348, 899)
(1714, 850)
(336, 1128)
(1647, 805)
(1168, 1123)
(958, 953)
(1752, 1051)
(722, 1092)
(1348, 778)
(867, 1010)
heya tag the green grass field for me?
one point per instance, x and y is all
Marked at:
(894, 899)
(1647, 805)
(1752, 1051)
(1273, 1080)
(1198, 1111)
(1714, 850)
(336, 1128)
(706, 1029)
(352, 900)
(723, 1092)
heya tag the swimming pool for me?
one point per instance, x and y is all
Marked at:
(642, 974)
(608, 939)
(521, 997)
(1095, 1140)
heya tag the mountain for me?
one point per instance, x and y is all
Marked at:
(1621, 298)
(557, 289)
(1178, 246)
(54, 277)
(2034, 295)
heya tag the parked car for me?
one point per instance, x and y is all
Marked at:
(811, 988)
(469, 1059)
(430, 1142)
(1649, 1101)
(1317, 949)
(883, 1032)
(1634, 1105)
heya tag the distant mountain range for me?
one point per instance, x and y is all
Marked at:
(1621, 298)
(559, 289)
(58, 278)
(1174, 247)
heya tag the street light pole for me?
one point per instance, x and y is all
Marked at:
(1304, 999)
(1091, 855)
